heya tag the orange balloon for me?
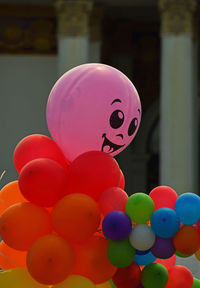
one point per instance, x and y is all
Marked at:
(92, 261)
(50, 259)
(76, 217)
(11, 258)
(197, 255)
(9, 195)
(22, 223)
(187, 240)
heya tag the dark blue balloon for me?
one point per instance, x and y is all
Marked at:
(144, 259)
(139, 252)
(187, 207)
(165, 222)
(163, 248)
(117, 225)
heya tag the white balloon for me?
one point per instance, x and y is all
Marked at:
(142, 237)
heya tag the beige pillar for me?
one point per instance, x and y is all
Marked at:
(96, 34)
(178, 113)
(73, 33)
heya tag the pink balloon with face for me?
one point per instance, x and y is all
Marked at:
(93, 107)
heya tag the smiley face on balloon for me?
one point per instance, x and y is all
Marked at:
(93, 107)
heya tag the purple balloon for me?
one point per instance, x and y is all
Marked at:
(117, 225)
(140, 286)
(163, 248)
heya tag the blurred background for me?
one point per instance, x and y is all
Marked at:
(155, 43)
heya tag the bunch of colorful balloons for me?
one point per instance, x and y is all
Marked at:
(72, 224)
(67, 221)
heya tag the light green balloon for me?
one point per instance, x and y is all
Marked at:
(140, 208)
(154, 276)
(196, 283)
(120, 253)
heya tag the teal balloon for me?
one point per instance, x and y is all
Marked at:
(187, 207)
(196, 283)
(145, 259)
(154, 276)
(120, 253)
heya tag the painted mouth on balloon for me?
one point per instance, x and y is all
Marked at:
(108, 146)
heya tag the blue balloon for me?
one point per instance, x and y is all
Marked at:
(117, 225)
(144, 259)
(165, 222)
(187, 207)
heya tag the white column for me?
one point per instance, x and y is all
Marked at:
(178, 128)
(95, 34)
(73, 33)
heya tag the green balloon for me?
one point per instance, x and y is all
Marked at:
(154, 276)
(120, 253)
(196, 283)
(112, 284)
(140, 208)
(182, 255)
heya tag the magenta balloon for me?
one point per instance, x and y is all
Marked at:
(93, 107)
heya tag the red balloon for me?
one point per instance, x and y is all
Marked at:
(179, 277)
(92, 173)
(43, 182)
(128, 277)
(163, 196)
(37, 146)
(167, 262)
(112, 199)
(122, 180)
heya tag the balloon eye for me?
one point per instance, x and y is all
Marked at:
(116, 119)
(132, 126)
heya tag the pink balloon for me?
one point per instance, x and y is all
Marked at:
(163, 196)
(93, 107)
(112, 199)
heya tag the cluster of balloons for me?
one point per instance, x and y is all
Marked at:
(67, 221)
(71, 224)
(153, 230)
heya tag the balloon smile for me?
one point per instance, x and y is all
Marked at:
(108, 146)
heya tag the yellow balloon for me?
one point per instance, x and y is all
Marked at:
(197, 255)
(75, 281)
(104, 285)
(18, 278)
